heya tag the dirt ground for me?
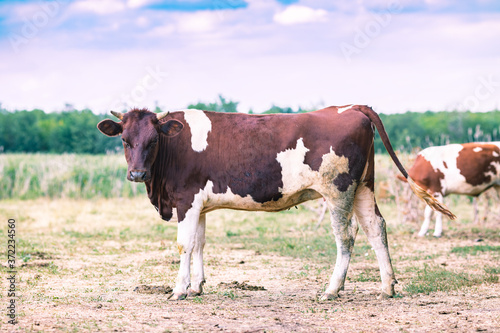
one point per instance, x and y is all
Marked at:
(90, 293)
(288, 303)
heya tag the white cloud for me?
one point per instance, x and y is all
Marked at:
(197, 22)
(100, 7)
(295, 14)
(139, 3)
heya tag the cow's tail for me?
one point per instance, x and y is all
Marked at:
(401, 178)
(420, 192)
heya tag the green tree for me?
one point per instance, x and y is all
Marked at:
(221, 106)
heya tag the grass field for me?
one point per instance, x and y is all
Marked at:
(79, 262)
(31, 176)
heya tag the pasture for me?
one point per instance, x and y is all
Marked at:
(93, 255)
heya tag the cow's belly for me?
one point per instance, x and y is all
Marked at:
(462, 187)
(467, 189)
(211, 201)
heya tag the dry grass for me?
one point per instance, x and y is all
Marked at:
(79, 262)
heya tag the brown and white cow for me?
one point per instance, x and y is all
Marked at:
(198, 161)
(469, 168)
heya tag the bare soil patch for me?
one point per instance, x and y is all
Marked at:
(109, 265)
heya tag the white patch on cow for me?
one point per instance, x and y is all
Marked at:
(298, 176)
(295, 174)
(200, 125)
(345, 108)
(496, 143)
(477, 149)
(444, 160)
(228, 199)
(438, 156)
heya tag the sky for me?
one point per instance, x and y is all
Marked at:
(395, 55)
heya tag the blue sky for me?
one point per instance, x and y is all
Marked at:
(395, 55)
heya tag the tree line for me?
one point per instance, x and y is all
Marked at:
(75, 131)
(415, 130)
(56, 132)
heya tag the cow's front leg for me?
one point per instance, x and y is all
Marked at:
(345, 229)
(186, 242)
(198, 277)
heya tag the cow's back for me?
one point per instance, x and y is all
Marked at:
(251, 138)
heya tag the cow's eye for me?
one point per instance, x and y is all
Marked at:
(126, 144)
(153, 142)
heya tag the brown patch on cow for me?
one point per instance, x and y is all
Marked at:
(470, 161)
(425, 176)
(445, 165)
(343, 181)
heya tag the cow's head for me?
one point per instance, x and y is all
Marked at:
(141, 131)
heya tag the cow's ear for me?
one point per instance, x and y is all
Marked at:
(171, 128)
(109, 127)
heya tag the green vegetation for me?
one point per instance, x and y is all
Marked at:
(473, 250)
(222, 106)
(29, 176)
(57, 132)
(436, 278)
(74, 131)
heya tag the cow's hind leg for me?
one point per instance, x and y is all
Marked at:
(438, 230)
(476, 210)
(345, 230)
(427, 221)
(373, 225)
(187, 241)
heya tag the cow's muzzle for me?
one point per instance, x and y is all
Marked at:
(138, 176)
